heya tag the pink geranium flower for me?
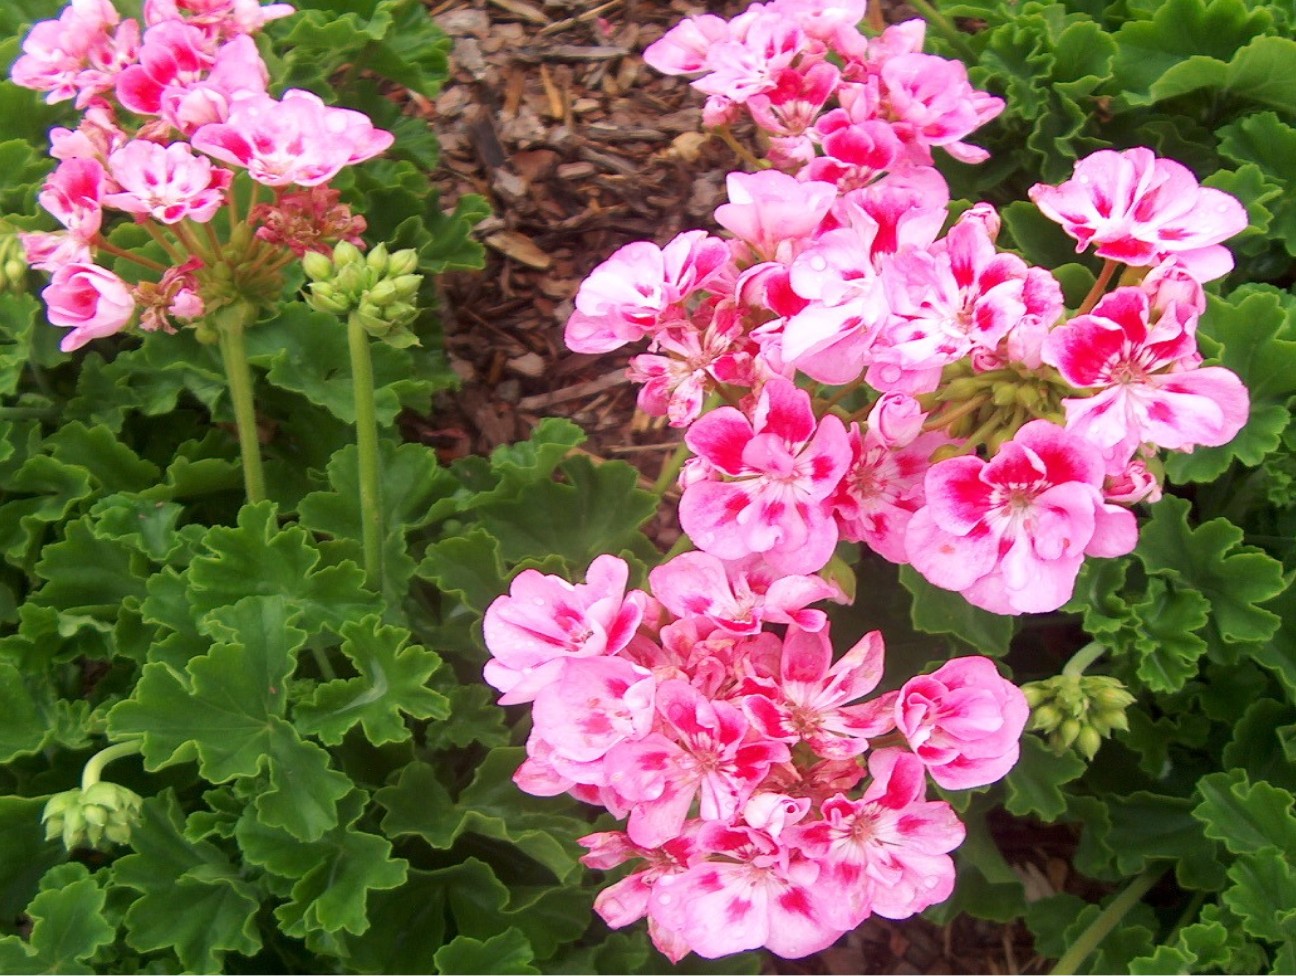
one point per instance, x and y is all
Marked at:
(1140, 209)
(544, 620)
(963, 721)
(78, 55)
(167, 183)
(90, 300)
(888, 851)
(173, 55)
(1010, 533)
(1150, 388)
(73, 193)
(294, 140)
(783, 468)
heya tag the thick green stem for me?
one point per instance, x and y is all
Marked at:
(1110, 917)
(670, 470)
(230, 322)
(371, 514)
(1083, 658)
(95, 767)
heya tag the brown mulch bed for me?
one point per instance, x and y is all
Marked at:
(580, 148)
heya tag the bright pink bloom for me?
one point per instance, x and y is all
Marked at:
(173, 55)
(703, 750)
(218, 19)
(809, 702)
(237, 72)
(684, 49)
(167, 183)
(74, 194)
(741, 67)
(888, 851)
(798, 96)
(739, 595)
(544, 620)
(90, 300)
(1140, 209)
(297, 139)
(1010, 533)
(49, 252)
(78, 55)
(963, 721)
(1150, 388)
(771, 211)
(754, 891)
(855, 153)
(784, 468)
(639, 289)
(95, 137)
(930, 103)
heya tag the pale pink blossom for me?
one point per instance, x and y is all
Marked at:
(218, 19)
(173, 55)
(73, 193)
(963, 721)
(1140, 209)
(783, 468)
(1011, 533)
(684, 49)
(810, 699)
(888, 851)
(167, 183)
(752, 891)
(297, 139)
(49, 252)
(929, 102)
(544, 620)
(740, 595)
(236, 72)
(770, 211)
(1150, 388)
(90, 300)
(77, 56)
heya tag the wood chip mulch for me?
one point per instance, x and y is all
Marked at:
(551, 114)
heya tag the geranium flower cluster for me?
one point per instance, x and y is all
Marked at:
(174, 110)
(767, 801)
(976, 432)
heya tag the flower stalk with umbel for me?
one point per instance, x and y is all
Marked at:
(98, 813)
(376, 294)
(180, 133)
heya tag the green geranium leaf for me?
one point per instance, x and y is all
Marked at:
(392, 682)
(332, 875)
(195, 900)
(599, 511)
(1257, 745)
(258, 557)
(1148, 827)
(1167, 645)
(508, 952)
(467, 566)
(937, 611)
(23, 729)
(54, 489)
(476, 718)
(111, 463)
(68, 928)
(1033, 784)
(19, 313)
(1262, 895)
(491, 806)
(25, 855)
(89, 577)
(1209, 559)
(148, 526)
(1246, 817)
(1265, 140)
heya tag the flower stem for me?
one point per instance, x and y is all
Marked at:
(117, 252)
(1107, 920)
(1083, 658)
(95, 767)
(230, 322)
(371, 514)
(741, 151)
(162, 241)
(670, 470)
(1099, 286)
(946, 29)
(947, 417)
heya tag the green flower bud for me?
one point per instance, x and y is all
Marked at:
(323, 298)
(351, 279)
(377, 260)
(1067, 733)
(317, 266)
(1037, 693)
(371, 320)
(402, 262)
(1088, 742)
(400, 313)
(407, 285)
(100, 815)
(346, 254)
(1004, 394)
(1046, 718)
(963, 388)
(1029, 396)
(381, 294)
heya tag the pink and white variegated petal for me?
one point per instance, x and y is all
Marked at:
(859, 670)
(709, 513)
(624, 902)
(720, 437)
(1206, 407)
(949, 561)
(958, 495)
(1115, 532)
(784, 411)
(693, 584)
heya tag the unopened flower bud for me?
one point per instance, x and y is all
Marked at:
(1046, 718)
(382, 294)
(95, 817)
(1004, 394)
(402, 262)
(317, 266)
(407, 285)
(377, 260)
(351, 279)
(323, 297)
(1088, 742)
(1067, 733)
(346, 254)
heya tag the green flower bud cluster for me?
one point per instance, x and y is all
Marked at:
(378, 290)
(989, 408)
(97, 816)
(1078, 710)
(13, 261)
